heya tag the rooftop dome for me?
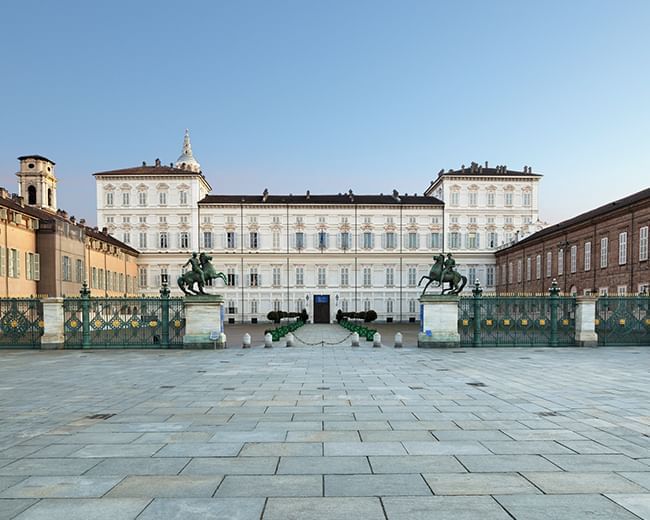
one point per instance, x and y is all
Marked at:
(186, 161)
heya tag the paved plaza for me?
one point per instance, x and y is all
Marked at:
(325, 432)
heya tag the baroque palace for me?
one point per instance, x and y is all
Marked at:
(343, 251)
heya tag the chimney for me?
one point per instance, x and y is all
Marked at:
(486, 164)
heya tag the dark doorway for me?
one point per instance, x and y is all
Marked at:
(321, 308)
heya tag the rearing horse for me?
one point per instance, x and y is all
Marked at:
(455, 280)
(187, 281)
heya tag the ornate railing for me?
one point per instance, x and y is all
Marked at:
(21, 323)
(623, 320)
(516, 320)
(124, 322)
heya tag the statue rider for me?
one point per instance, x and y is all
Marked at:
(196, 267)
(449, 265)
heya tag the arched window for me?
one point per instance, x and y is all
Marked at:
(31, 195)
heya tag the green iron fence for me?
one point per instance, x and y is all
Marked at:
(124, 322)
(21, 323)
(623, 320)
(514, 321)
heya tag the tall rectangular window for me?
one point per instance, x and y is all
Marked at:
(472, 241)
(529, 268)
(143, 240)
(510, 273)
(604, 246)
(368, 241)
(587, 256)
(471, 274)
(231, 240)
(345, 240)
(79, 271)
(300, 240)
(473, 198)
(538, 266)
(142, 198)
(126, 237)
(185, 240)
(519, 269)
(300, 276)
(389, 240)
(231, 277)
(574, 258)
(126, 198)
(549, 263)
(390, 277)
(254, 240)
(367, 277)
(322, 276)
(491, 197)
(526, 199)
(162, 198)
(622, 248)
(493, 239)
(66, 269)
(412, 276)
(276, 277)
(33, 266)
(454, 198)
(508, 199)
(560, 262)
(93, 279)
(454, 240)
(323, 240)
(489, 278)
(435, 241)
(163, 240)
(207, 239)
(413, 240)
(183, 197)
(276, 240)
(254, 278)
(109, 198)
(643, 243)
(345, 277)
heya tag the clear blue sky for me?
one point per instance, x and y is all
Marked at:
(331, 95)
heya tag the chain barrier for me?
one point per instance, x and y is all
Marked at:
(322, 343)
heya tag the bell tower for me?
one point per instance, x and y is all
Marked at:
(37, 182)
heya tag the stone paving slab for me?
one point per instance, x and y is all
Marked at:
(323, 465)
(445, 508)
(271, 486)
(85, 509)
(327, 508)
(479, 484)
(165, 486)
(639, 504)
(416, 464)
(61, 487)
(204, 509)
(10, 507)
(375, 485)
(138, 466)
(574, 507)
(563, 483)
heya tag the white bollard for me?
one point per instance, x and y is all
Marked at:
(268, 340)
(398, 340)
(289, 340)
(223, 340)
(376, 340)
(246, 343)
(355, 339)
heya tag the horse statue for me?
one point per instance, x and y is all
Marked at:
(442, 271)
(202, 272)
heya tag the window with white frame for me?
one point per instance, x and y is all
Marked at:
(368, 240)
(344, 305)
(412, 276)
(493, 239)
(473, 198)
(277, 280)
(300, 240)
(489, 276)
(322, 276)
(366, 305)
(109, 198)
(323, 240)
(253, 306)
(412, 306)
(253, 277)
(206, 219)
(162, 198)
(413, 242)
(126, 198)
(183, 197)
(587, 256)
(643, 243)
(345, 240)
(472, 240)
(207, 239)
(529, 268)
(184, 219)
(519, 269)
(163, 240)
(231, 277)
(300, 304)
(510, 272)
(389, 306)
(345, 276)
(367, 277)
(142, 240)
(538, 267)
(126, 220)
(126, 237)
(604, 253)
(573, 255)
(33, 266)
(390, 276)
(508, 198)
(276, 305)
(231, 240)
(526, 199)
(560, 262)
(142, 198)
(254, 240)
(389, 240)
(79, 271)
(276, 240)
(435, 241)
(454, 200)
(491, 198)
(622, 248)
(549, 263)
(184, 240)
(471, 274)
(454, 240)
(300, 276)
(162, 219)
(142, 276)
(621, 290)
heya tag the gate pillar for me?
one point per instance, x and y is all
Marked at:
(586, 335)
(53, 329)
(203, 317)
(438, 321)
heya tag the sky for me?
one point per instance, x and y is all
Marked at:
(368, 95)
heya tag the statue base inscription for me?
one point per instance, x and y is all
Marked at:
(203, 320)
(438, 321)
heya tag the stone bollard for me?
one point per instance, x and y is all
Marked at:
(355, 339)
(376, 340)
(268, 340)
(398, 340)
(289, 340)
(246, 343)
(223, 340)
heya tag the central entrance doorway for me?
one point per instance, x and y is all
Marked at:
(321, 308)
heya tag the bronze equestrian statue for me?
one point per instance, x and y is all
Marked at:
(443, 271)
(202, 272)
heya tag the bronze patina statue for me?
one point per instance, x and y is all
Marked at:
(202, 272)
(444, 271)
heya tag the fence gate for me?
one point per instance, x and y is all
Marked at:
(21, 323)
(623, 320)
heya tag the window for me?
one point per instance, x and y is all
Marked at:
(412, 306)
(323, 240)
(79, 271)
(345, 240)
(163, 240)
(604, 245)
(126, 198)
(643, 243)
(276, 219)
(109, 220)
(142, 220)
(162, 198)
(142, 198)
(603, 291)
(413, 242)
(33, 266)
(621, 290)
(538, 267)
(412, 276)
(368, 240)
(276, 240)
(93, 280)
(471, 275)
(109, 198)
(276, 277)
(300, 276)
(367, 277)
(66, 269)
(493, 240)
(389, 306)
(126, 237)
(253, 306)
(529, 268)
(549, 263)
(101, 280)
(435, 241)
(473, 198)
(254, 239)
(253, 277)
(519, 268)
(454, 240)
(276, 305)
(231, 277)
(510, 273)
(622, 248)
(231, 240)
(207, 239)
(560, 262)
(183, 198)
(322, 276)
(508, 199)
(252, 219)
(300, 240)
(206, 219)
(345, 277)
(185, 240)
(472, 240)
(454, 220)
(126, 220)
(491, 196)
(390, 277)
(574, 258)
(143, 240)
(300, 305)
(164, 275)
(526, 199)
(489, 280)
(344, 305)
(587, 256)
(162, 219)
(508, 221)
(454, 199)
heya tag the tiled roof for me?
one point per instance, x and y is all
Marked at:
(340, 199)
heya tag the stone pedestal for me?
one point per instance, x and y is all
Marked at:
(53, 324)
(586, 335)
(438, 321)
(203, 320)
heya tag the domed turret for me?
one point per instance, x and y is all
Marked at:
(186, 161)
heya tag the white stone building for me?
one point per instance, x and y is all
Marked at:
(485, 208)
